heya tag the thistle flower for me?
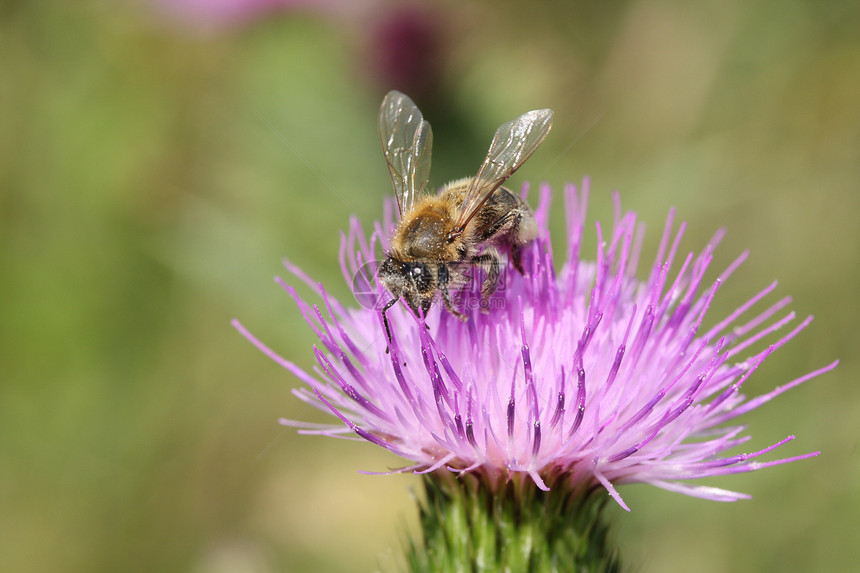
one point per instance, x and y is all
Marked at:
(576, 380)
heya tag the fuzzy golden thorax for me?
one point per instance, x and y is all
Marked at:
(422, 234)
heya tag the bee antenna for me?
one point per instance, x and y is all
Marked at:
(388, 305)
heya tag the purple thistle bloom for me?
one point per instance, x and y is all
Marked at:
(583, 378)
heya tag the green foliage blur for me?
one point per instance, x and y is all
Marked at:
(155, 169)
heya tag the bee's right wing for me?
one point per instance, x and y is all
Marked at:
(406, 142)
(512, 145)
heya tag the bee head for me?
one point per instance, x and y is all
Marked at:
(411, 280)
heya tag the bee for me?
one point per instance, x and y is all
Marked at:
(441, 236)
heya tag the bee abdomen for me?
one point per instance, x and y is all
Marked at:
(505, 218)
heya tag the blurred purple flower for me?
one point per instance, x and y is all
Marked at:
(585, 378)
(396, 45)
(406, 50)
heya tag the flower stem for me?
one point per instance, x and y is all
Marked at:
(470, 524)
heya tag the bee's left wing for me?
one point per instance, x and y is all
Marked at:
(407, 141)
(512, 145)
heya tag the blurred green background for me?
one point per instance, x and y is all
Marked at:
(156, 164)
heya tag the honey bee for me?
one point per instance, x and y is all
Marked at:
(440, 236)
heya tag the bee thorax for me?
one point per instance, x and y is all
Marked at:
(423, 237)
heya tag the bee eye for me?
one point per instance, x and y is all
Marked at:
(421, 276)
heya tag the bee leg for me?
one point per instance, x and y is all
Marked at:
(517, 258)
(490, 263)
(523, 230)
(450, 307)
(444, 278)
(511, 225)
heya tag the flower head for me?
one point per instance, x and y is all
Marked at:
(578, 378)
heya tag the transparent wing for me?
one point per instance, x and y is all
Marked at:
(406, 142)
(512, 145)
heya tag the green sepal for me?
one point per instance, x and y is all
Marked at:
(470, 523)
